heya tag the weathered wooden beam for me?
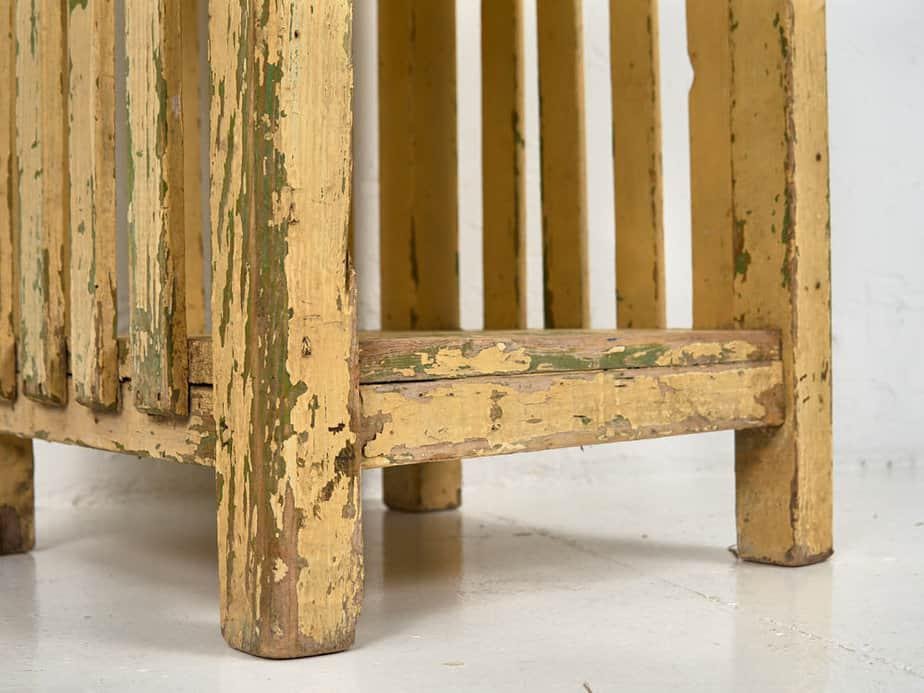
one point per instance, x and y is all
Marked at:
(781, 258)
(284, 331)
(503, 114)
(562, 136)
(640, 283)
(17, 495)
(41, 140)
(157, 243)
(192, 168)
(408, 423)
(419, 201)
(9, 186)
(711, 165)
(419, 421)
(93, 324)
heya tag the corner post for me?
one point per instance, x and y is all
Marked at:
(284, 330)
(776, 261)
(17, 496)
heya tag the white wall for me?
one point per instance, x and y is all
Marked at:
(876, 64)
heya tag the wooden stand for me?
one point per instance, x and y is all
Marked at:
(285, 398)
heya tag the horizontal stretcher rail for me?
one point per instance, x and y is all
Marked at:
(637, 384)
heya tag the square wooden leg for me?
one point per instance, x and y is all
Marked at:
(762, 248)
(284, 327)
(17, 496)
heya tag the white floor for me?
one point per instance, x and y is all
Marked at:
(585, 586)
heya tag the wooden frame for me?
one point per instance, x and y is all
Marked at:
(285, 398)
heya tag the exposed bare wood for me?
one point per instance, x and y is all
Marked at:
(504, 164)
(710, 164)
(41, 139)
(564, 195)
(284, 333)
(419, 198)
(781, 241)
(408, 423)
(17, 495)
(192, 169)
(93, 330)
(641, 300)
(9, 295)
(157, 242)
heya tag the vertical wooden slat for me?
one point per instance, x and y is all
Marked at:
(564, 199)
(781, 262)
(41, 139)
(8, 213)
(93, 333)
(192, 170)
(284, 333)
(157, 241)
(710, 164)
(419, 202)
(504, 165)
(637, 156)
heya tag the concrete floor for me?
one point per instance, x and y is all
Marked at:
(571, 586)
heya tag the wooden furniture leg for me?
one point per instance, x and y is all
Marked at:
(284, 333)
(776, 187)
(17, 502)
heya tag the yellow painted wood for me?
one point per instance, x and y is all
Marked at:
(17, 496)
(9, 170)
(284, 335)
(419, 199)
(157, 242)
(640, 290)
(564, 198)
(192, 169)
(711, 164)
(41, 140)
(504, 164)
(781, 242)
(93, 325)
(408, 423)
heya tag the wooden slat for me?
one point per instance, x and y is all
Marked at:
(93, 346)
(41, 140)
(419, 422)
(641, 300)
(711, 165)
(564, 200)
(284, 328)
(9, 170)
(192, 169)
(504, 164)
(419, 200)
(156, 206)
(780, 240)
(406, 357)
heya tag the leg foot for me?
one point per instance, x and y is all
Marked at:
(17, 497)
(421, 488)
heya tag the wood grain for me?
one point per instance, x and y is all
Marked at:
(711, 165)
(503, 110)
(409, 423)
(781, 279)
(9, 187)
(93, 325)
(17, 495)
(157, 242)
(640, 283)
(563, 149)
(419, 200)
(284, 335)
(41, 140)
